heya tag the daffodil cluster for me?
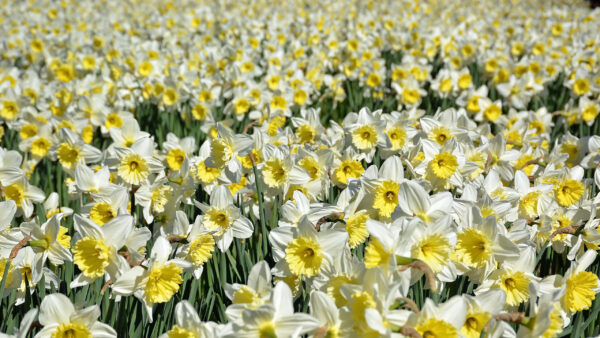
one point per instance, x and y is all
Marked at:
(292, 168)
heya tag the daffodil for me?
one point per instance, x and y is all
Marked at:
(254, 293)
(135, 164)
(545, 318)
(127, 134)
(200, 246)
(16, 188)
(8, 209)
(105, 207)
(60, 318)
(224, 218)
(414, 200)
(177, 150)
(534, 200)
(308, 126)
(47, 243)
(88, 180)
(481, 310)
(298, 206)
(480, 245)
(366, 131)
(513, 277)
(383, 245)
(95, 248)
(581, 286)
(157, 281)
(347, 167)
(30, 265)
(443, 320)
(432, 244)
(381, 188)
(188, 323)
(304, 251)
(279, 171)
(569, 190)
(323, 308)
(71, 150)
(226, 147)
(276, 319)
(442, 165)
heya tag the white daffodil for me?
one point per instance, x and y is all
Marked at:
(590, 237)
(136, 244)
(443, 320)
(225, 149)
(581, 286)
(381, 189)
(432, 244)
(276, 319)
(472, 196)
(90, 181)
(223, 217)
(480, 245)
(371, 307)
(399, 132)
(322, 308)
(365, 132)
(135, 164)
(188, 323)
(545, 318)
(534, 200)
(413, 200)
(155, 282)
(501, 157)
(346, 168)
(16, 187)
(47, 243)
(31, 265)
(200, 242)
(348, 214)
(481, 310)
(60, 318)
(252, 294)
(383, 245)
(279, 172)
(71, 150)
(316, 164)
(95, 251)
(304, 251)
(308, 126)
(51, 206)
(443, 127)
(127, 134)
(93, 108)
(153, 196)
(107, 206)
(443, 165)
(177, 150)
(513, 277)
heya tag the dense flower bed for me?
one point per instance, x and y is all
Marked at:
(289, 168)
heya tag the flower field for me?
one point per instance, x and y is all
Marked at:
(299, 168)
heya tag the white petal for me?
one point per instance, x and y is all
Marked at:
(412, 198)
(161, 249)
(323, 308)
(117, 230)
(55, 309)
(127, 283)
(282, 300)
